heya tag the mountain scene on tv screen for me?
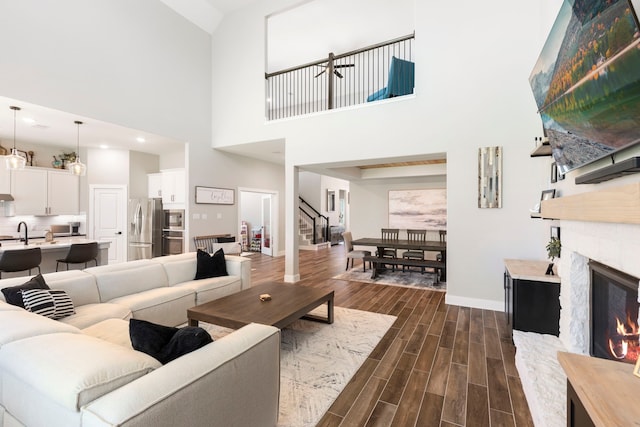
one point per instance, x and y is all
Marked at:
(588, 93)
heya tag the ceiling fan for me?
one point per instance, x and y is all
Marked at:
(335, 71)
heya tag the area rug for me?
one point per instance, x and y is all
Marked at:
(411, 279)
(317, 360)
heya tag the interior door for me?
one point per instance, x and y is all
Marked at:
(109, 219)
(266, 225)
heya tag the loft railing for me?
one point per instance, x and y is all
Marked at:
(334, 82)
(313, 222)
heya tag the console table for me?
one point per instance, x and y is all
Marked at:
(531, 298)
(600, 392)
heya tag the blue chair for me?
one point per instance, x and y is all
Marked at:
(400, 82)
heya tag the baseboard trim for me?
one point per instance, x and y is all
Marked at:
(474, 302)
(291, 278)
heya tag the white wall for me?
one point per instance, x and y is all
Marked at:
(141, 164)
(309, 184)
(472, 66)
(310, 31)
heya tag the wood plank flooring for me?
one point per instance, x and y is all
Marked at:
(438, 365)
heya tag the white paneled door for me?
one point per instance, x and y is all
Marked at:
(108, 219)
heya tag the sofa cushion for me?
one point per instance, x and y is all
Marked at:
(210, 289)
(210, 265)
(90, 314)
(4, 306)
(80, 286)
(118, 280)
(167, 306)
(77, 368)
(165, 343)
(21, 324)
(52, 303)
(13, 294)
(115, 331)
(179, 268)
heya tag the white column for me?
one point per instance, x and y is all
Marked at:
(291, 205)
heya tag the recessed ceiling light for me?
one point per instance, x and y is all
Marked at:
(28, 120)
(104, 146)
(141, 139)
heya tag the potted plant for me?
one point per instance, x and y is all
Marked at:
(553, 251)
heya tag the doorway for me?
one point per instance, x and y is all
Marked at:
(258, 210)
(108, 219)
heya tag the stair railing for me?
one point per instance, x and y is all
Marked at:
(319, 223)
(335, 81)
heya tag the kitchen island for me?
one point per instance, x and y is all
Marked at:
(52, 251)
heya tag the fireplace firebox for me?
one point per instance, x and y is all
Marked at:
(614, 314)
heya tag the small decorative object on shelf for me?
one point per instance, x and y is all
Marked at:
(553, 251)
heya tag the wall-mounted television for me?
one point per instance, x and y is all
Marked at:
(586, 81)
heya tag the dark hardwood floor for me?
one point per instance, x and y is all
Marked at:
(438, 365)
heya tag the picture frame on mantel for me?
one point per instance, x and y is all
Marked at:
(215, 196)
(547, 194)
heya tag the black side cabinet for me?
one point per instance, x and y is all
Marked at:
(532, 305)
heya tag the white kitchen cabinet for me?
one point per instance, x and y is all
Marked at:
(45, 192)
(173, 187)
(63, 193)
(154, 185)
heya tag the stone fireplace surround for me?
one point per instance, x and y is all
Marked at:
(543, 380)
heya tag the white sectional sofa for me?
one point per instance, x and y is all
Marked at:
(82, 371)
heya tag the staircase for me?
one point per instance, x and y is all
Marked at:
(312, 228)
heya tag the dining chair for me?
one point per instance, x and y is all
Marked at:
(443, 236)
(351, 254)
(389, 234)
(80, 253)
(418, 237)
(20, 260)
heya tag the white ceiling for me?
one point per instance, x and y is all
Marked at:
(57, 128)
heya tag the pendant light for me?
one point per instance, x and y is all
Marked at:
(15, 161)
(77, 167)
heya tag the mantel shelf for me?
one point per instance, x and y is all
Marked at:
(616, 204)
(542, 150)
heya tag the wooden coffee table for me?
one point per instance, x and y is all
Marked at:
(288, 304)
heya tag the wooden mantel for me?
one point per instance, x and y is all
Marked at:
(614, 204)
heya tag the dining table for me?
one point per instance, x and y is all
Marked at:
(428, 245)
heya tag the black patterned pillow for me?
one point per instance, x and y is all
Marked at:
(13, 294)
(52, 303)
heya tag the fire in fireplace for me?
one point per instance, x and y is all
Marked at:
(614, 314)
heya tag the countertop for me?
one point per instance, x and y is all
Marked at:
(56, 243)
(8, 238)
(530, 270)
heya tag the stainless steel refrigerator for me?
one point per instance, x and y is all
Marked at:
(145, 229)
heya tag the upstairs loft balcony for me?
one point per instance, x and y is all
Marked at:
(376, 72)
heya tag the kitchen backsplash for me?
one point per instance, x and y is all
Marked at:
(38, 225)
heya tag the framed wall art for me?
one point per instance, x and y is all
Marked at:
(418, 209)
(215, 196)
(490, 177)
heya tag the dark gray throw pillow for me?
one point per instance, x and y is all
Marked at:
(165, 343)
(13, 294)
(210, 265)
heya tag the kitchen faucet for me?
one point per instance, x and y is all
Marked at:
(26, 232)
